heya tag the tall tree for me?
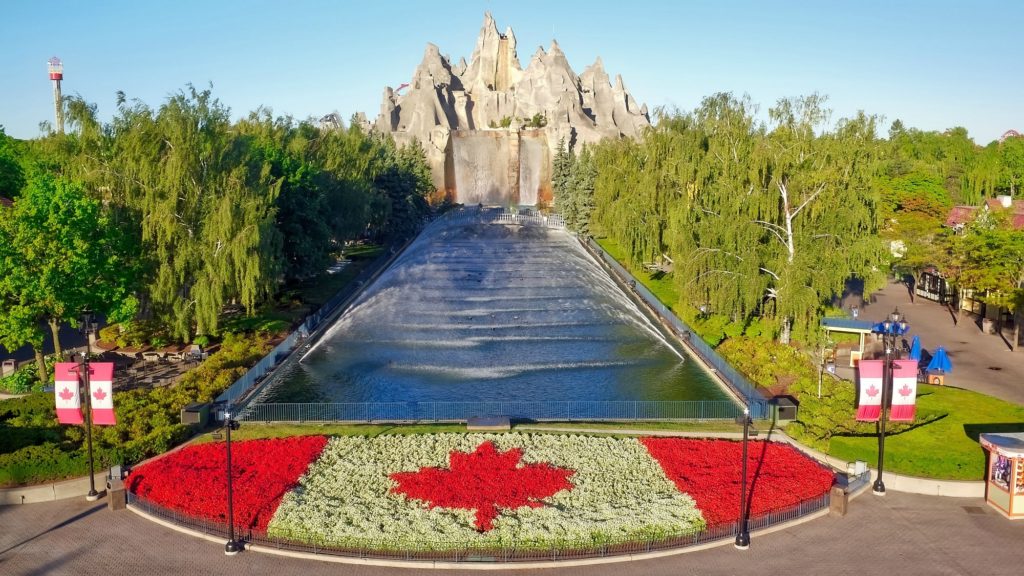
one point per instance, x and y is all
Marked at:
(59, 255)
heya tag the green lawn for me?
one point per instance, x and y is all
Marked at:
(659, 283)
(947, 448)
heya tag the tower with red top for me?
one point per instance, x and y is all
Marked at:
(56, 68)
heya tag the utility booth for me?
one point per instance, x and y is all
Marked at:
(1004, 482)
(196, 413)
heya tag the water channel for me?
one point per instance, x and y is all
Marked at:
(494, 312)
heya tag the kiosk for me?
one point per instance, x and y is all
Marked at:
(1004, 482)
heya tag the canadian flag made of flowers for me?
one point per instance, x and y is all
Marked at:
(438, 489)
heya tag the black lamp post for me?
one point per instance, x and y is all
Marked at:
(893, 326)
(233, 546)
(88, 326)
(743, 535)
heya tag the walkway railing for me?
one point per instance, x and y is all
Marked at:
(576, 410)
(760, 407)
(470, 552)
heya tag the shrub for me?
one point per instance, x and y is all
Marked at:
(147, 421)
(24, 379)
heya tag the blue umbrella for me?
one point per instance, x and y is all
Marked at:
(915, 349)
(940, 361)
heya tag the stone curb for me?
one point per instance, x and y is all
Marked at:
(73, 488)
(427, 564)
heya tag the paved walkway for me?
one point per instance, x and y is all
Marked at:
(897, 534)
(981, 362)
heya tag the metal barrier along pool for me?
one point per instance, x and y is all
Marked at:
(759, 406)
(579, 410)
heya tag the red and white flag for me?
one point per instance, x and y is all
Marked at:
(101, 386)
(904, 390)
(869, 406)
(65, 390)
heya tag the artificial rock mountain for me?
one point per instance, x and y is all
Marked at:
(474, 120)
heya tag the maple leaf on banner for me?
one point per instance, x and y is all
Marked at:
(905, 391)
(67, 394)
(484, 480)
(99, 394)
(872, 391)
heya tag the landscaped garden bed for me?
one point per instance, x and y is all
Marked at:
(438, 492)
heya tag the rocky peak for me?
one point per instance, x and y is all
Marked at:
(494, 64)
(493, 88)
(433, 70)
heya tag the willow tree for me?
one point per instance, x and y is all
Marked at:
(206, 206)
(820, 222)
(714, 235)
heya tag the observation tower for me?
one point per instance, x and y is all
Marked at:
(56, 68)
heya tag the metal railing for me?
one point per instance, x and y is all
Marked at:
(562, 411)
(280, 352)
(760, 407)
(449, 551)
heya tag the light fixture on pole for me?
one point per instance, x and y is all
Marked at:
(88, 326)
(233, 546)
(892, 327)
(743, 534)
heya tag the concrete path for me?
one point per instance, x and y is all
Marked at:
(981, 362)
(897, 534)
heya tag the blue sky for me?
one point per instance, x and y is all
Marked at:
(933, 64)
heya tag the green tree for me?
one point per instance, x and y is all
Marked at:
(12, 177)
(59, 255)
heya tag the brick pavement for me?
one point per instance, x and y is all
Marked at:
(902, 534)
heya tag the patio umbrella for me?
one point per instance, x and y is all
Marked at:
(915, 348)
(940, 361)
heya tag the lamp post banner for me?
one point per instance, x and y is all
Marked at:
(869, 404)
(904, 390)
(65, 390)
(101, 386)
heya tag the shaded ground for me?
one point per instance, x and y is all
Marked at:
(899, 533)
(981, 362)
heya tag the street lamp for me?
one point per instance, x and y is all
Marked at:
(88, 326)
(892, 327)
(233, 546)
(743, 535)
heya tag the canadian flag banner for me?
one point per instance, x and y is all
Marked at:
(65, 389)
(101, 386)
(904, 390)
(869, 406)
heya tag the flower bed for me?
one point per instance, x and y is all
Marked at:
(711, 471)
(193, 480)
(480, 491)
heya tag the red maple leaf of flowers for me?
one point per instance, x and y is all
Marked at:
(99, 394)
(872, 391)
(66, 394)
(484, 480)
(905, 391)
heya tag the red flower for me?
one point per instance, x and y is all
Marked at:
(484, 480)
(193, 480)
(710, 471)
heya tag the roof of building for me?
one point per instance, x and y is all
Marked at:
(6, 202)
(846, 324)
(960, 214)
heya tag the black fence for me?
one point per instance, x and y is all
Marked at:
(469, 552)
